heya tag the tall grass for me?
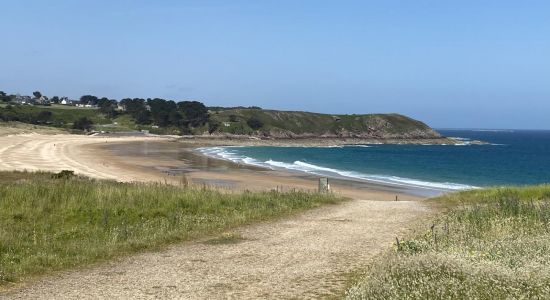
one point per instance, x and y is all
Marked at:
(489, 244)
(50, 224)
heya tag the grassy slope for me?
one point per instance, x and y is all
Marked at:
(489, 244)
(50, 224)
(7, 128)
(62, 114)
(318, 124)
(277, 123)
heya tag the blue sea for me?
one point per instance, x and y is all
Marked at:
(512, 157)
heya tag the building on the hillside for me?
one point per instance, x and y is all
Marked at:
(43, 100)
(23, 99)
(66, 101)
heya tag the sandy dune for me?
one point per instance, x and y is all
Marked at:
(305, 256)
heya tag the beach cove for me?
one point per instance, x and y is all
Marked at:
(305, 254)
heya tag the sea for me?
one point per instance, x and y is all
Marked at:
(510, 157)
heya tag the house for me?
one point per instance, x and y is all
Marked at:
(226, 124)
(23, 99)
(43, 100)
(66, 101)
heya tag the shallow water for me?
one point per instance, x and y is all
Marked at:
(512, 157)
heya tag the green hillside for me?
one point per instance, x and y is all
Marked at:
(290, 124)
(165, 117)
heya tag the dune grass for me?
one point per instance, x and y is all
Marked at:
(49, 223)
(8, 128)
(488, 244)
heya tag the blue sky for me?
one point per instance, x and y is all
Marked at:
(482, 64)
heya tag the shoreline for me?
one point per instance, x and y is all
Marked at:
(163, 159)
(176, 159)
(240, 140)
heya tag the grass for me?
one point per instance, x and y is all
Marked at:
(63, 116)
(51, 224)
(488, 244)
(283, 122)
(7, 128)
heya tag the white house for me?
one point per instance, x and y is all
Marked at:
(65, 101)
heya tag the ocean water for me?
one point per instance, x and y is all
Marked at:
(513, 157)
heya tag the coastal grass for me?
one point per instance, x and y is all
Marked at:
(59, 117)
(315, 124)
(52, 222)
(9, 128)
(487, 244)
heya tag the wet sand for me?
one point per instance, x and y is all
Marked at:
(175, 160)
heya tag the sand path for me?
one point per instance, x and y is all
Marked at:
(304, 256)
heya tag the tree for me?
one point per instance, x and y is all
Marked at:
(194, 113)
(255, 123)
(137, 109)
(83, 124)
(4, 97)
(37, 94)
(55, 100)
(107, 107)
(88, 99)
(213, 125)
(163, 112)
(44, 116)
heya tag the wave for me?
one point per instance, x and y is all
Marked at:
(300, 166)
(359, 146)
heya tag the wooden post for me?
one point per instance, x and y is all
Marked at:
(324, 186)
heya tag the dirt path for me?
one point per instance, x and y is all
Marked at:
(305, 256)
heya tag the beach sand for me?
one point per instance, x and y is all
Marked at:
(164, 160)
(308, 255)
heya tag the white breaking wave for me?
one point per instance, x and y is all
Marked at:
(226, 154)
(359, 146)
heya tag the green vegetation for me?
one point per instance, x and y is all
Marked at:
(50, 115)
(7, 128)
(162, 116)
(489, 244)
(83, 124)
(291, 124)
(52, 222)
(4, 97)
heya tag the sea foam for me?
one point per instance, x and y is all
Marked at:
(226, 153)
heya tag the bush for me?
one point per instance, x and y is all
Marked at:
(83, 124)
(255, 123)
(65, 174)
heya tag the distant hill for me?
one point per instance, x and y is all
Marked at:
(161, 117)
(292, 124)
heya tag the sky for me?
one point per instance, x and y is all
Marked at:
(451, 64)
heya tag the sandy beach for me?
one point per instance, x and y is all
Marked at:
(164, 160)
(306, 256)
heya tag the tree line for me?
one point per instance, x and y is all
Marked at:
(184, 115)
(157, 111)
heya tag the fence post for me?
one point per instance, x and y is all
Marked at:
(324, 186)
